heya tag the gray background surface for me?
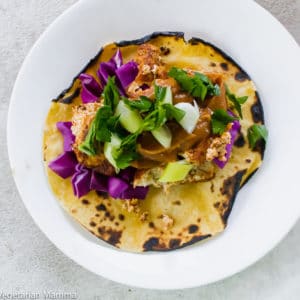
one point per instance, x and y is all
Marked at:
(30, 263)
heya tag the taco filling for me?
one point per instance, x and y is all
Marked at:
(143, 124)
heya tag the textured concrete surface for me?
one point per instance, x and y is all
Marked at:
(30, 263)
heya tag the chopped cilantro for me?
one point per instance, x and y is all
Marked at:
(160, 93)
(219, 120)
(174, 112)
(144, 104)
(237, 101)
(198, 85)
(255, 133)
(154, 120)
(103, 115)
(127, 151)
(111, 93)
(88, 146)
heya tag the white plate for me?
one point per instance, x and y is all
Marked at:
(265, 210)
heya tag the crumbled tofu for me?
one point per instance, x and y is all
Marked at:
(167, 221)
(144, 216)
(217, 148)
(154, 69)
(150, 67)
(145, 69)
(131, 205)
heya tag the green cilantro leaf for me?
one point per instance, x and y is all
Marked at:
(219, 120)
(144, 104)
(103, 134)
(88, 146)
(182, 78)
(150, 121)
(155, 119)
(125, 159)
(237, 101)
(160, 93)
(174, 112)
(127, 151)
(113, 124)
(198, 85)
(199, 88)
(255, 133)
(100, 130)
(111, 93)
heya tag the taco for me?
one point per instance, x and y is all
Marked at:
(149, 146)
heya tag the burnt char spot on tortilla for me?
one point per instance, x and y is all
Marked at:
(194, 42)
(260, 148)
(114, 238)
(174, 243)
(257, 112)
(104, 195)
(93, 224)
(248, 178)
(258, 103)
(151, 244)
(212, 64)
(193, 228)
(230, 188)
(85, 201)
(224, 66)
(241, 76)
(164, 50)
(101, 230)
(121, 217)
(107, 214)
(176, 202)
(195, 239)
(240, 141)
(217, 205)
(110, 235)
(68, 99)
(101, 207)
(151, 225)
(149, 37)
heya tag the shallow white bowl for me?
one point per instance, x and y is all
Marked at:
(265, 209)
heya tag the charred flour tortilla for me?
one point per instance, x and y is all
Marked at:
(187, 213)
